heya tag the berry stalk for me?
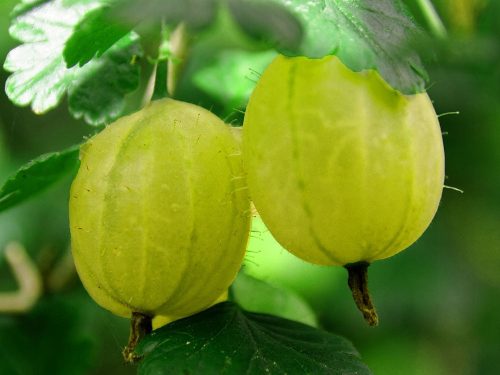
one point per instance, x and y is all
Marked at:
(140, 326)
(358, 283)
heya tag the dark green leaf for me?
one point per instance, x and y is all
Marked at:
(40, 77)
(97, 93)
(268, 21)
(93, 36)
(50, 340)
(37, 175)
(258, 296)
(364, 34)
(227, 340)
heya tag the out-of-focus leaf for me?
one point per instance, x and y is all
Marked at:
(480, 243)
(232, 75)
(48, 340)
(267, 260)
(160, 90)
(93, 36)
(364, 34)
(25, 5)
(37, 175)
(258, 296)
(416, 357)
(269, 21)
(103, 27)
(40, 77)
(228, 340)
(195, 14)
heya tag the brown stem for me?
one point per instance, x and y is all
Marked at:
(140, 326)
(358, 282)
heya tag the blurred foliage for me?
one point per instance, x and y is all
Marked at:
(437, 301)
(255, 295)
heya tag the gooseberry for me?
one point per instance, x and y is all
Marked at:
(159, 212)
(343, 169)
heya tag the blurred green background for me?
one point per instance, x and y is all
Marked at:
(438, 301)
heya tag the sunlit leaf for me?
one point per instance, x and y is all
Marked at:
(231, 76)
(258, 296)
(40, 77)
(25, 5)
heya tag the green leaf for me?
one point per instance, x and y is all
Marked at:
(160, 89)
(196, 14)
(231, 76)
(37, 175)
(227, 340)
(267, 260)
(258, 296)
(364, 34)
(103, 27)
(25, 5)
(40, 77)
(93, 36)
(269, 21)
(56, 327)
(97, 92)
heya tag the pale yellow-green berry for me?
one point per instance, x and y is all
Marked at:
(159, 211)
(341, 167)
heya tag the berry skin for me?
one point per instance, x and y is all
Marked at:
(159, 211)
(342, 168)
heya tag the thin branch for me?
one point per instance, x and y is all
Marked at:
(432, 17)
(179, 48)
(150, 86)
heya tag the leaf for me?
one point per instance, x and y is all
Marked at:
(37, 175)
(97, 92)
(25, 5)
(258, 296)
(40, 76)
(160, 89)
(269, 21)
(196, 14)
(103, 27)
(267, 260)
(228, 340)
(56, 327)
(93, 36)
(364, 34)
(231, 76)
